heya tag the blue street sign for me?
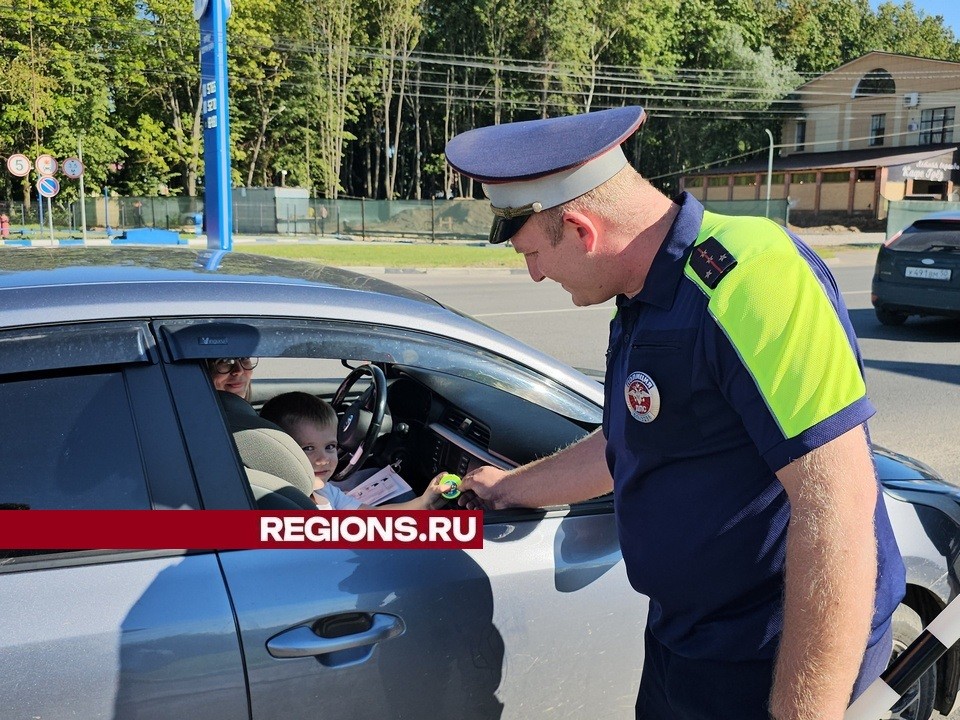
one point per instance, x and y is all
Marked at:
(218, 196)
(48, 186)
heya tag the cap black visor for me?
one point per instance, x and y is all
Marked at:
(505, 228)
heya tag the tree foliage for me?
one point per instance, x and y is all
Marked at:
(360, 96)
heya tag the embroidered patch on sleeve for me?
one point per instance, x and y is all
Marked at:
(711, 261)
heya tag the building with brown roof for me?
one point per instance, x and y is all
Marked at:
(879, 128)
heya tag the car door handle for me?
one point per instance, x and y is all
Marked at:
(302, 641)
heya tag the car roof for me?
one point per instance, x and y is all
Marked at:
(43, 286)
(949, 215)
(97, 283)
(51, 266)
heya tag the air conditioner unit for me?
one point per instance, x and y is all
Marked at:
(911, 99)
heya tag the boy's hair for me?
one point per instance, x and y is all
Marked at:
(287, 409)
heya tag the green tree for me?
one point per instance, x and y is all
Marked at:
(56, 71)
(164, 82)
(332, 86)
(819, 35)
(718, 104)
(259, 68)
(397, 26)
(906, 30)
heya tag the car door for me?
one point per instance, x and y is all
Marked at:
(88, 424)
(541, 620)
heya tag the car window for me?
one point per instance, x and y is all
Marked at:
(57, 450)
(305, 339)
(923, 236)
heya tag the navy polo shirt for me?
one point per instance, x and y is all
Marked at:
(736, 358)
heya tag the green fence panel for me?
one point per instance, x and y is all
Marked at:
(903, 213)
(291, 212)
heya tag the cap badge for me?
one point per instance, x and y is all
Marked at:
(642, 397)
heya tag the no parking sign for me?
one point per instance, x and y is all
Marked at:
(48, 186)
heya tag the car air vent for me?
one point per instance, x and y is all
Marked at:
(467, 427)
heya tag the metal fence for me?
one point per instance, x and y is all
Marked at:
(273, 212)
(109, 215)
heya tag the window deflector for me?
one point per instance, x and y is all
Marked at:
(75, 346)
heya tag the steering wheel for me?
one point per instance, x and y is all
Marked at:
(361, 420)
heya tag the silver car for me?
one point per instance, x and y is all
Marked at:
(107, 404)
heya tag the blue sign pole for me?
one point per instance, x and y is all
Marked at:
(217, 197)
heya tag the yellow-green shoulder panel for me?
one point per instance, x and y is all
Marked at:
(775, 312)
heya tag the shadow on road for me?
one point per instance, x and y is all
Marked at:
(940, 372)
(916, 329)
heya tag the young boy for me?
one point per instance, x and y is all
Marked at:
(312, 422)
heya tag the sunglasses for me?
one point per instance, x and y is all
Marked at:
(223, 366)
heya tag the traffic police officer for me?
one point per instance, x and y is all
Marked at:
(733, 438)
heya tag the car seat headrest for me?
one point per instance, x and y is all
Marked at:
(274, 452)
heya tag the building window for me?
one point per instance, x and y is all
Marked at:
(867, 175)
(878, 126)
(876, 82)
(717, 181)
(693, 182)
(801, 135)
(936, 126)
(835, 177)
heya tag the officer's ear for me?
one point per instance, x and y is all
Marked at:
(585, 227)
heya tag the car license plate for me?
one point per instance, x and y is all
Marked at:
(928, 273)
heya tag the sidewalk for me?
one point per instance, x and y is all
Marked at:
(845, 238)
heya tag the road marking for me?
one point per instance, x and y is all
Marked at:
(856, 292)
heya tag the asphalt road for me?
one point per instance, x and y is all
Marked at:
(913, 372)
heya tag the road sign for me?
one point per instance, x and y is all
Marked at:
(46, 164)
(18, 165)
(48, 186)
(72, 168)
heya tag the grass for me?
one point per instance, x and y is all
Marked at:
(395, 255)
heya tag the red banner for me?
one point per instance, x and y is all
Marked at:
(237, 529)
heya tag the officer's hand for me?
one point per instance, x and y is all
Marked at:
(480, 489)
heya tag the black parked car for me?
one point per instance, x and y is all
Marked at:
(918, 270)
(107, 404)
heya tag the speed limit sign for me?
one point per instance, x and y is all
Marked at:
(18, 165)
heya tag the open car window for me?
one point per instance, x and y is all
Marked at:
(308, 341)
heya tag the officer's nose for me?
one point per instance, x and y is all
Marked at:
(534, 268)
